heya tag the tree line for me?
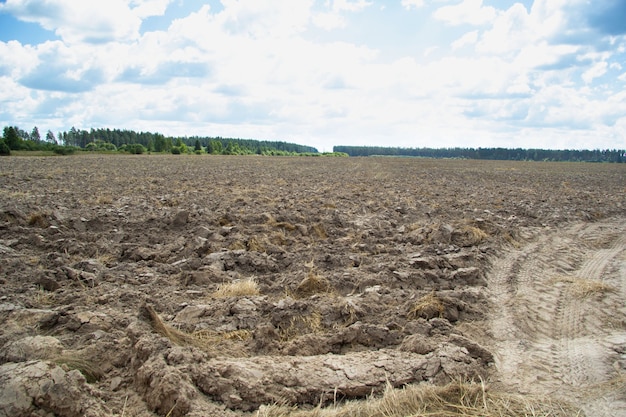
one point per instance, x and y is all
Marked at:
(130, 141)
(517, 154)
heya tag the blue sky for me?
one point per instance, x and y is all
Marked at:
(411, 73)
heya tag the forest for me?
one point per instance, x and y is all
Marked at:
(129, 141)
(501, 154)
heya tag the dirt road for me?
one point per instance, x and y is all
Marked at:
(559, 315)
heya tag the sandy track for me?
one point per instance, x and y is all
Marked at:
(559, 318)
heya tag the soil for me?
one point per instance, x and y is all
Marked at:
(115, 274)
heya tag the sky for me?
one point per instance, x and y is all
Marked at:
(407, 73)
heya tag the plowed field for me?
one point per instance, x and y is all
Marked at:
(213, 285)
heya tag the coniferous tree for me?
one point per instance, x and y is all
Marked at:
(11, 138)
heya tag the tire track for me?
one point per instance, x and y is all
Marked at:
(548, 336)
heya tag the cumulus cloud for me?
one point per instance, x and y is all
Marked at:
(261, 18)
(333, 13)
(597, 70)
(412, 4)
(147, 8)
(467, 12)
(60, 68)
(469, 38)
(93, 21)
(273, 68)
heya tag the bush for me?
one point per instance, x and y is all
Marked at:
(134, 148)
(175, 150)
(64, 150)
(4, 148)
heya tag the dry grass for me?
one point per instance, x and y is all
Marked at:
(43, 298)
(89, 369)
(301, 325)
(104, 199)
(424, 400)
(312, 284)
(583, 287)
(237, 245)
(255, 245)
(320, 231)
(281, 225)
(279, 238)
(427, 307)
(469, 236)
(176, 336)
(213, 343)
(38, 219)
(241, 288)
(230, 344)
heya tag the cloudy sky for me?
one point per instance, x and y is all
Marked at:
(411, 73)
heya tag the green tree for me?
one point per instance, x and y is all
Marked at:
(11, 138)
(216, 147)
(35, 136)
(159, 143)
(232, 148)
(197, 146)
(4, 148)
(50, 137)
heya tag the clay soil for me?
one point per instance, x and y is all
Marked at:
(202, 285)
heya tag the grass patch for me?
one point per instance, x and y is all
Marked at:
(237, 245)
(226, 343)
(468, 235)
(271, 221)
(214, 343)
(424, 400)
(255, 245)
(320, 231)
(241, 288)
(427, 307)
(583, 287)
(312, 284)
(300, 325)
(43, 298)
(38, 219)
(89, 369)
(176, 336)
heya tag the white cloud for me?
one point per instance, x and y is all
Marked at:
(467, 12)
(267, 69)
(147, 8)
(469, 38)
(350, 6)
(597, 70)
(79, 21)
(412, 4)
(510, 31)
(329, 20)
(261, 18)
(17, 58)
(334, 14)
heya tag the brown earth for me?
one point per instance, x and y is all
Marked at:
(202, 285)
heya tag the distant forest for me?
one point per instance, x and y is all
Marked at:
(140, 142)
(504, 154)
(129, 141)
